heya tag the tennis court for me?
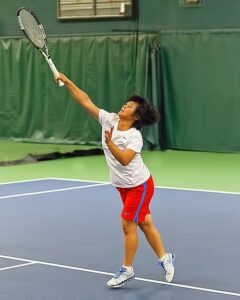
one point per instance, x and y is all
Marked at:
(60, 240)
(102, 93)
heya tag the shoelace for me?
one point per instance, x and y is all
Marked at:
(120, 272)
(164, 264)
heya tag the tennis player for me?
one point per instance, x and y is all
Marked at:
(122, 143)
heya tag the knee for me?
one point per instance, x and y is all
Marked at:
(125, 230)
(145, 226)
(128, 227)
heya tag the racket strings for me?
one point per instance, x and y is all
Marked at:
(32, 29)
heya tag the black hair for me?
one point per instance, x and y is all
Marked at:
(145, 113)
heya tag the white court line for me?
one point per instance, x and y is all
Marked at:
(197, 190)
(80, 180)
(156, 186)
(111, 274)
(52, 191)
(106, 182)
(22, 181)
(17, 266)
(49, 178)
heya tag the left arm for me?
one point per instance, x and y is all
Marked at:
(123, 156)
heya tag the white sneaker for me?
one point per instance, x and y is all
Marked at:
(120, 278)
(168, 266)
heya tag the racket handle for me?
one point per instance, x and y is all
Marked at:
(54, 70)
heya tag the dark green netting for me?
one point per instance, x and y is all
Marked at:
(109, 68)
(193, 78)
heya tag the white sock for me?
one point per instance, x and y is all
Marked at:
(161, 259)
(129, 269)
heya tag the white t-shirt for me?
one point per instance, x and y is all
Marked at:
(135, 173)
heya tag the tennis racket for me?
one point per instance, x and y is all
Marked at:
(34, 31)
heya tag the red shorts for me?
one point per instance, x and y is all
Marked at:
(136, 201)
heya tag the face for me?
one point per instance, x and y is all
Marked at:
(128, 110)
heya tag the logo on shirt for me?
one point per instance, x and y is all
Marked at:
(108, 124)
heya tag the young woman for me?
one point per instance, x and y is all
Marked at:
(122, 143)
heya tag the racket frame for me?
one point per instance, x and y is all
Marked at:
(44, 52)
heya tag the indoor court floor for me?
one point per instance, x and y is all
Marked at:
(61, 236)
(61, 239)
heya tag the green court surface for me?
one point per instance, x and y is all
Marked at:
(182, 169)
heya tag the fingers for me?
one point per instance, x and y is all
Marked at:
(60, 77)
(56, 79)
(108, 134)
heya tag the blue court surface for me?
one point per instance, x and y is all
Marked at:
(62, 239)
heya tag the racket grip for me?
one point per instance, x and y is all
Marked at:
(54, 70)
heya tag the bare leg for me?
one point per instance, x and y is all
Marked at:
(153, 236)
(130, 241)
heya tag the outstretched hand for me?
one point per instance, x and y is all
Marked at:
(108, 135)
(61, 77)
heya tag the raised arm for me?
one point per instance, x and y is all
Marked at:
(81, 97)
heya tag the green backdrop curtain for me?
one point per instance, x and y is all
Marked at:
(192, 76)
(201, 73)
(109, 68)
